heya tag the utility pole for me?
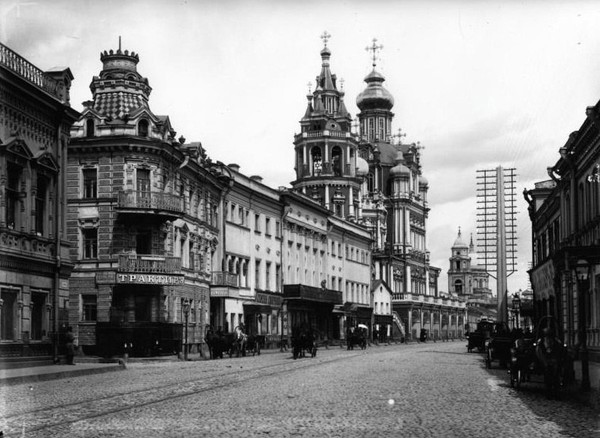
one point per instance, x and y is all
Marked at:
(496, 229)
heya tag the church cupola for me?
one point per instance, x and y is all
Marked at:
(375, 104)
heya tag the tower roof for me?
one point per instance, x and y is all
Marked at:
(459, 242)
(375, 96)
(119, 90)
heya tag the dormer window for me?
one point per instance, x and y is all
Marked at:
(143, 128)
(89, 128)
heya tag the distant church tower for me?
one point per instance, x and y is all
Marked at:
(466, 278)
(326, 149)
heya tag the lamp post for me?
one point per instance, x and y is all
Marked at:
(186, 313)
(516, 305)
(583, 272)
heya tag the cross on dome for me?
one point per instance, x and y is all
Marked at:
(374, 48)
(325, 37)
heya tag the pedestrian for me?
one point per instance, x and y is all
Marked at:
(70, 341)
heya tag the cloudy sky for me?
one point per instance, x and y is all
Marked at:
(479, 84)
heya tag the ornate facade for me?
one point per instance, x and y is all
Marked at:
(35, 117)
(144, 215)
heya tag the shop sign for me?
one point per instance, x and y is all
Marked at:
(171, 280)
(271, 300)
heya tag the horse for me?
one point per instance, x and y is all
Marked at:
(551, 354)
(303, 341)
(215, 342)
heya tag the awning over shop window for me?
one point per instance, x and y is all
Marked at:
(542, 280)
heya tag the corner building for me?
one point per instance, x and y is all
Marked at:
(143, 219)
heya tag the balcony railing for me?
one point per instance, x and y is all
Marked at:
(225, 279)
(27, 70)
(141, 200)
(150, 264)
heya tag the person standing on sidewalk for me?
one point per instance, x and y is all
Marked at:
(70, 341)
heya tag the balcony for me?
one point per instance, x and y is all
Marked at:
(28, 71)
(167, 205)
(149, 264)
(310, 293)
(225, 285)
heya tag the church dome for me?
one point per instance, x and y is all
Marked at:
(459, 242)
(399, 170)
(362, 167)
(423, 181)
(375, 95)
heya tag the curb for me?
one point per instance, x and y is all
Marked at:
(8, 381)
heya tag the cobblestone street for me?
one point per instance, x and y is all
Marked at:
(418, 390)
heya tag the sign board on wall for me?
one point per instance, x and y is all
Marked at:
(171, 280)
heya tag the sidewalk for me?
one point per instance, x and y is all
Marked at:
(14, 376)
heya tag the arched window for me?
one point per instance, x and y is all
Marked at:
(371, 182)
(317, 160)
(89, 128)
(143, 128)
(336, 160)
(458, 286)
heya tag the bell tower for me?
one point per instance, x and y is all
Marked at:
(326, 149)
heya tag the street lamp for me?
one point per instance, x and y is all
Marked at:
(516, 305)
(583, 272)
(186, 313)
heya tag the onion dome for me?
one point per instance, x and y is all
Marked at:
(375, 95)
(362, 167)
(399, 169)
(423, 181)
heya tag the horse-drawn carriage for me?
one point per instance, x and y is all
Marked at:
(303, 342)
(236, 343)
(543, 353)
(357, 337)
(477, 339)
(498, 346)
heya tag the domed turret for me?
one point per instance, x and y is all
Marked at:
(399, 169)
(375, 95)
(459, 242)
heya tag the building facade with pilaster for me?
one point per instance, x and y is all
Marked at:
(35, 118)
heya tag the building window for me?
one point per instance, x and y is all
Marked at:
(268, 226)
(143, 182)
(143, 128)
(317, 162)
(336, 160)
(257, 223)
(257, 274)
(458, 286)
(89, 304)
(278, 277)
(89, 128)
(191, 257)
(90, 243)
(90, 183)
(12, 195)
(38, 320)
(277, 229)
(268, 276)
(40, 204)
(8, 314)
